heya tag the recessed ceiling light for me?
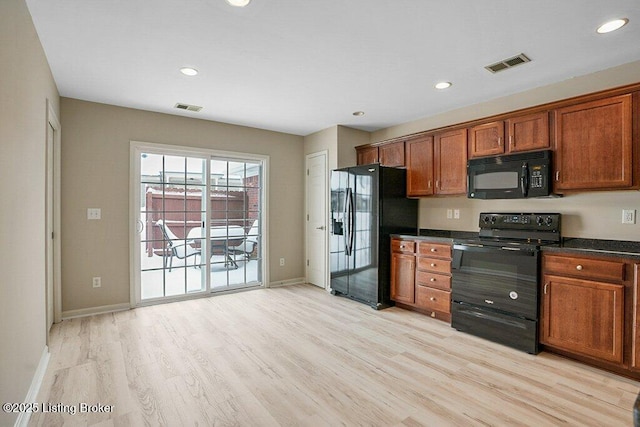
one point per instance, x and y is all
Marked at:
(358, 113)
(188, 71)
(239, 3)
(607, 27)
(443, 85)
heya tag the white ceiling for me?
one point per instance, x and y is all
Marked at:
(299, 66)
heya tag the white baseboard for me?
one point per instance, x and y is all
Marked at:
(288, 282)
(36, 382)
(95, 310)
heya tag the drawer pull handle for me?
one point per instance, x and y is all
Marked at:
(432, 298)
(401, 246)
(579, 267)
(433, 279)
(433, 264)
(434, 250)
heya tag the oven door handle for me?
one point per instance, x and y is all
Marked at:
(487, 249)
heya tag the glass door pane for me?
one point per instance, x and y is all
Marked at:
(171, 213)
(236, 255)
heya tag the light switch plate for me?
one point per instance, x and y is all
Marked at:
(94, 213)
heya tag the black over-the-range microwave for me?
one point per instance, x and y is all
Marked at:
(511, 176)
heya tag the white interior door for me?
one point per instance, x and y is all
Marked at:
(316, 232)
(49, 226)
(53, 301)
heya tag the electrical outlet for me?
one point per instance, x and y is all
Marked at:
(94, 213)
(281, 262)
(97, 282)
(449, 213)
(456, 214)
(628, 216)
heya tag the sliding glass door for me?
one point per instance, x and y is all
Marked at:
(198, 222)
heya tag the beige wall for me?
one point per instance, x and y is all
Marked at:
(326, 139)
(596, 215)
(25, 86)
(95, 164)
(348, 139)
(339, 141)
(588, 215)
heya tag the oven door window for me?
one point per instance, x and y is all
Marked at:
(496, 278)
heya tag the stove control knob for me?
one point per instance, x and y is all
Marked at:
(486, 219)
(548, 221)
(539, 220)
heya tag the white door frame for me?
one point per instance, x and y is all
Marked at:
(52, 227)
(135, 149)
(325, 261)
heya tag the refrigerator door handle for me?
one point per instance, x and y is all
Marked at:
(351, 223)
(345, 217)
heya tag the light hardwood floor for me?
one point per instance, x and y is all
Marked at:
(299, 356)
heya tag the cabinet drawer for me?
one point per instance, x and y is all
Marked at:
(398, 245)
(433, 299)
(434, 264)
(434, 280)
(440, 250)
(594, 269)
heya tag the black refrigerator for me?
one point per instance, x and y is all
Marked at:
(368, 204)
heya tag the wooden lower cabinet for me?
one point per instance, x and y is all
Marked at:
(590, 310)
(403, 277)
(584, 316)
(421, 281)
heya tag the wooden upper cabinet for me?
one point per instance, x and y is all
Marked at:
(419, 155)
(392, 154)
(367, 155)
(450, 160)
(593, 145)
(486, 139)
(526, 133)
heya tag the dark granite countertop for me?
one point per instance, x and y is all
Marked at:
(607, 248)
(443, 236)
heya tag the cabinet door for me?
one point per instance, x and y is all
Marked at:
(486, 139)
(450, 159)
(367, 155)
(403, 278)
(529, 132)
(593, 145)
(583, 317)
(419, 166)
(392, 154)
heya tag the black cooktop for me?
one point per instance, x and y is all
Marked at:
(516, 231)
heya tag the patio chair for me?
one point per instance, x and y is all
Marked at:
(249, 244)
(181, 249)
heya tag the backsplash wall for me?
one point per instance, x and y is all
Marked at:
(596, 215)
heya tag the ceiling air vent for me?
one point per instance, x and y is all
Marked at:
(188, 107)
(508, 63)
